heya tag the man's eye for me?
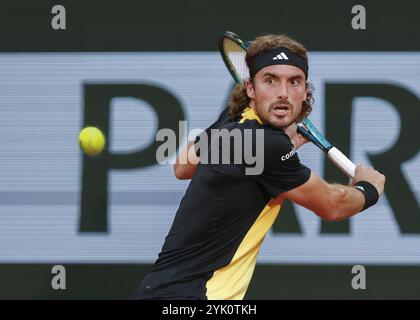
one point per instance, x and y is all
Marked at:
(270, 81)
(295, 82)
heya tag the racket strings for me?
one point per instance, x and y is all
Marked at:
(236, 57)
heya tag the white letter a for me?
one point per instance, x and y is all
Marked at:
(59, 20)
(59, 280)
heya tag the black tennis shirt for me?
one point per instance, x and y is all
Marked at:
(211, 249)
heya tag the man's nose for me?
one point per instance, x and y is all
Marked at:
(282, 91)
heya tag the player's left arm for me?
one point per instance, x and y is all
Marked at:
(186, 162)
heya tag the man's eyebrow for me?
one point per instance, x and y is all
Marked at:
(296, 77)
(268, 74)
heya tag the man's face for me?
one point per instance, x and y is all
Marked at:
(277, 94)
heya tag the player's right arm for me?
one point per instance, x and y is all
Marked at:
(334, 202)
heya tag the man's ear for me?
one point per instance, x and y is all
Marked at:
(305, 96)
(249, 89)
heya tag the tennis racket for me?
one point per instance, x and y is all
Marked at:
(233, 51)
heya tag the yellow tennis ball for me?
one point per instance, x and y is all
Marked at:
(91, 141)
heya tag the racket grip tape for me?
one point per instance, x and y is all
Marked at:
(342, 162)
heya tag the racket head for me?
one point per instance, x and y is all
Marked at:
(233, 51)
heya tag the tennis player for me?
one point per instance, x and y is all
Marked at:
(211, 249)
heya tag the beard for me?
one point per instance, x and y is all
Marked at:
(269, 118)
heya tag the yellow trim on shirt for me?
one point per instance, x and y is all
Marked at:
(231, 282)
(249, 114)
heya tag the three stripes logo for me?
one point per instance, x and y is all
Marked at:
(281, 56)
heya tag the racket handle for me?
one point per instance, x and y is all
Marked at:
(342, 162)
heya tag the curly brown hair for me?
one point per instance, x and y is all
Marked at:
(239, 99)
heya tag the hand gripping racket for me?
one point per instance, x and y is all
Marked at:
(233, 51)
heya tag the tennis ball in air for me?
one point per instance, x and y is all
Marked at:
(91, 141)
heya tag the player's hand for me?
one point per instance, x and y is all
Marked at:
(297, 139)
(366, 173)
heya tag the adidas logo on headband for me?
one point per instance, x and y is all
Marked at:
(281, 56)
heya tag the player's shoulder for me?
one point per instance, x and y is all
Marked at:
(277, 144)
(273, 137)
(276, 138)
(223, 121)
(279, 151)
(224, 115)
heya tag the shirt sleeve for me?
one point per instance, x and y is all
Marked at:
(283, 170)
